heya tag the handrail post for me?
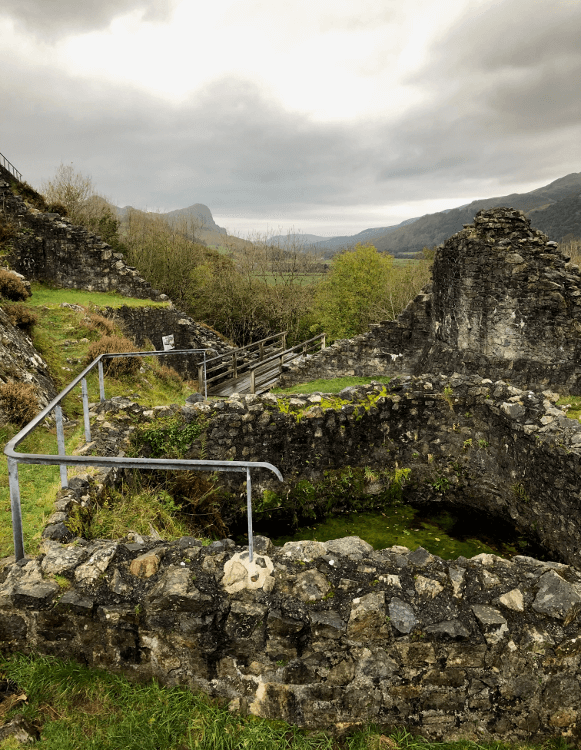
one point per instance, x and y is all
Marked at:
(284, 340)
(235, 365)
(101, 382)
(201, 378)
(205, 379)
(249, 513)
(60, 439)
(252, 381)
(323, 345)
(16, 509)
(86, 410)
(261, 352)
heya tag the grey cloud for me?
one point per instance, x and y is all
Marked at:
(515, 66)
(51, 19)
(233, 148)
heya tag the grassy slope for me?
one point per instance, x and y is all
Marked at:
(63, 337)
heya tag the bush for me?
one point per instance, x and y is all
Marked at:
(96, 322)
(18, 402)
(29, 194)
(6, 231)
(11, 287)
(119, 365)
(21, 316)
(57, 208)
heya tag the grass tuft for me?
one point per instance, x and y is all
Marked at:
(330, 385)
(78, 707)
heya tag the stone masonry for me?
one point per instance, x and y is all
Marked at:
(48, 247)
(321, 634)
(336, 632)
(503, 304)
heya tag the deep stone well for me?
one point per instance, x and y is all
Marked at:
(336, 632)
(503, 304)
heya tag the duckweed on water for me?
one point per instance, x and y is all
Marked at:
(441, 533)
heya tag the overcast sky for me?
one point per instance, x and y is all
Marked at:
(326, 116)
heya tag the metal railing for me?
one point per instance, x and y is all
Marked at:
(62, 460)
(267, 372)
(10, 167)
(237, 362)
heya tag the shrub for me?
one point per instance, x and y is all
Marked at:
(57, 208)
(29, 194)
(18, 402)
(119, 365)
(11, 287)
(167, 374)
(21, 316)
(96, 322)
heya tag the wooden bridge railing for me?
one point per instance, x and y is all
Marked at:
(233, 364)
(267, 372)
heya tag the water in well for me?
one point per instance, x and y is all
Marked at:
(446, 532)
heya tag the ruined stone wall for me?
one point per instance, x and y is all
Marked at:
(317, 634)
(504, 304)
(48, 247)
(474, 443)
(151, 323)
(323, 633)
(21, 363)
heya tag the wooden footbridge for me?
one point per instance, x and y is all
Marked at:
(254, 368)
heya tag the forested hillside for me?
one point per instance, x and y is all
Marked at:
(434, 229)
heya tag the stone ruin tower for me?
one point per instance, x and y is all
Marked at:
(506, 304)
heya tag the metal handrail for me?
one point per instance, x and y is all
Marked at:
(10, 167)
(62, 460)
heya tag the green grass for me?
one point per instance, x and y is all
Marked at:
(138, 511)
(298, 279)
(42, 294)
(575, 402)
(77, 707)
(38, 485)
(63, 336)
(331, 385)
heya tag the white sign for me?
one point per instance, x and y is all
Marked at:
(167, 342)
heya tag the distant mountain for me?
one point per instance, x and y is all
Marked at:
(304, 241)
(433, 229)
(330, 245)
(553, 208)
(196, 213)
(197, 221)
(560, 220)
(367, 235)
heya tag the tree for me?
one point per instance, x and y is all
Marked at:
(71, 189)
(365, 286)
(83, 205)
